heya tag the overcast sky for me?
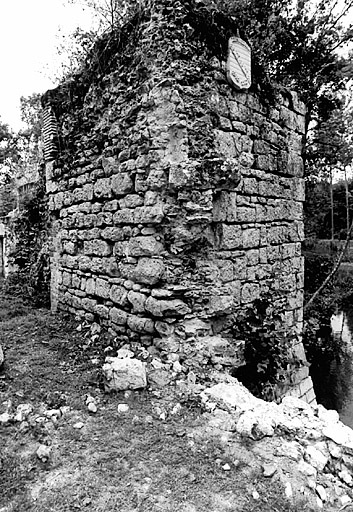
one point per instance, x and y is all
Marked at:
(29, 35)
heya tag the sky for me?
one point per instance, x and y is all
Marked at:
(30, 32)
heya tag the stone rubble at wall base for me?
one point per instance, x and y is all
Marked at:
(189, 212)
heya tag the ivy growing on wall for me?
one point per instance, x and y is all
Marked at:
(29, 252)
(269, 352)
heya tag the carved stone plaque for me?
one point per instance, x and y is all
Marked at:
(239, 63)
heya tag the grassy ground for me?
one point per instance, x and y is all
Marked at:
(133, 461)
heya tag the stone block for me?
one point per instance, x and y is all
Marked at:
(102, 188)
(139, 324)
(231, 237)
(250, 238)
(149, 214)
(165, 308)
(137, 300)
(118, 294)
(124, 374)
(125, 216)
(144, 246)
(131, 201)
(102, 288)
(220, 305)
(250, 292)
(118, 316)
(122, 184)
(97, 248)
(148, 271)
(114, 234)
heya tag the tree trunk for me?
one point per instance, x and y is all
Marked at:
(331, 202)
(347, 197)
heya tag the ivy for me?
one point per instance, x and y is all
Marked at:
(29, 253)
(269, 353)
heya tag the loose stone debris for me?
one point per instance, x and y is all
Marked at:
(308, 448)
(124, 374)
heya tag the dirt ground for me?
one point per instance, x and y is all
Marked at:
(159, 455)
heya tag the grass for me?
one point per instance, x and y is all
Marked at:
(116, 462)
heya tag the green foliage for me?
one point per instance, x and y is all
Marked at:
(269, 344)
(317, 214)
(29, 254)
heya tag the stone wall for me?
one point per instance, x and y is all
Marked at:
(178, 201)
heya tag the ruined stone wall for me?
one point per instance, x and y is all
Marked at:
(180, 203)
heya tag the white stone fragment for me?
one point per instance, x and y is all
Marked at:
(124, 353)
(236, 396)
(345, 477)
(328, 416)
(22, 411)
(344, 500)
(340, 434)
(315, 457)
(5, 418)
(321, 491)
(43, 452)
(122, 408)
(78, 425)
(288, 491)
(122, 374)
(226, 467)
(92, 407)
(306, 469)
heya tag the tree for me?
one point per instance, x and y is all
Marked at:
(296, 44)
(107, 13)
(8, 153)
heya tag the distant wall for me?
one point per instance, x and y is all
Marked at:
(179, 204)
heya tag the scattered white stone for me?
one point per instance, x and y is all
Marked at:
(50, 413)
(125, 353)
(5, 418)
(345, 477)
(319, 502)
(43, 452)
(269, 470)
(235, 396)
(122, 408)
(255, 424)
(328, 416)
(288, 491)
(122, 374)
(315, 457)
(334, 449)
(157, 364)
(2, 358)
(312, 484)
(321, 491)
(92, 407)
(255, 495)
(89, 399)
(226, 467)
(176, 409)
(306, 469)
(78, 425)
(290, 449)
(177, 368)
(344, 500)
(340, 434)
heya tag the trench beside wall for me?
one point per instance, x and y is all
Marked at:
(190, 212)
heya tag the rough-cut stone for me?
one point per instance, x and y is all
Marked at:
(149, 271)
(162, 308)
(203, 225)
(123, 374)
